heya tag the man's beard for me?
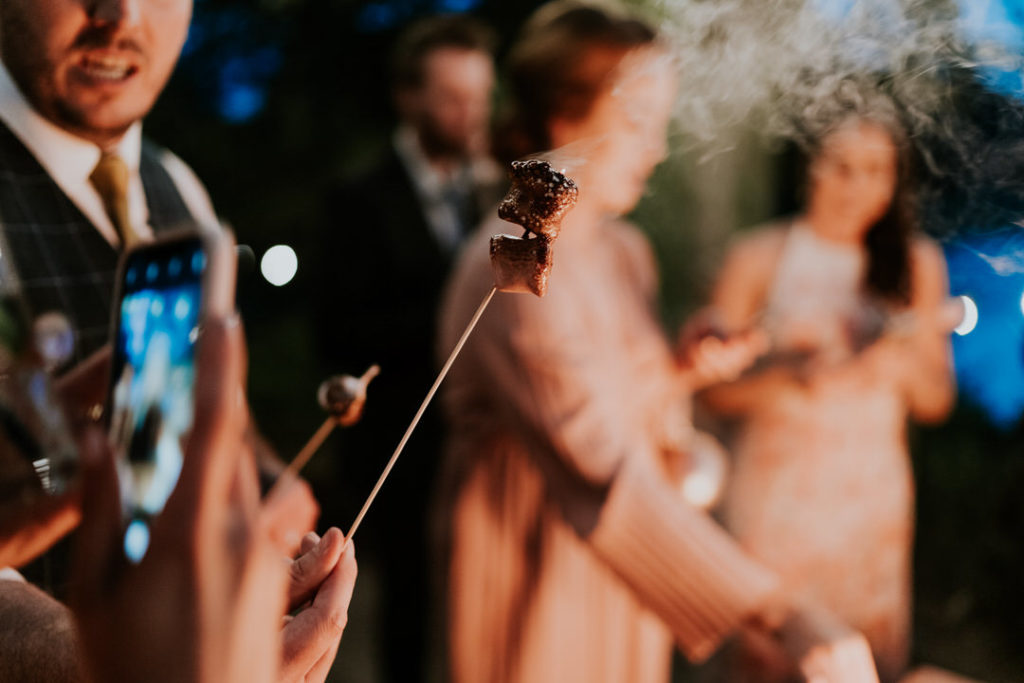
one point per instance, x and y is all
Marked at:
(21, 49)
(437, 144)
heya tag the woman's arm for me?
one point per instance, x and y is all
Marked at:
(739, 295)
(920, 358)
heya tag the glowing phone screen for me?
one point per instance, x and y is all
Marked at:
(154, 377)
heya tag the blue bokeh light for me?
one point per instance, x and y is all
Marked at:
(136, 540)
(234, 53)
(989, 361)
(390, 14)
(241, 102)
(457, 5)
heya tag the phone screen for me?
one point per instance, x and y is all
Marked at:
(154, 378)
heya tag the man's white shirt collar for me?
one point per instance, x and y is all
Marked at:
(70, 160)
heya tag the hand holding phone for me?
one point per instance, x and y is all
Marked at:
(165, 290)
(206, 601)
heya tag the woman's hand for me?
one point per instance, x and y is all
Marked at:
(707, 355)
(801, 641)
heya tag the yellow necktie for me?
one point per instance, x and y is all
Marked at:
(110, 178)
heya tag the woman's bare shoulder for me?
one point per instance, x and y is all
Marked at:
(756, 251)
(928, 268)
(748, 270)
(927, 251)
(760, 241)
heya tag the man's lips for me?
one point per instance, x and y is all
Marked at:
(108, 67)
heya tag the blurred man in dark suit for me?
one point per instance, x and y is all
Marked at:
(386, 252)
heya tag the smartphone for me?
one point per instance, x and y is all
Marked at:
(165, 289)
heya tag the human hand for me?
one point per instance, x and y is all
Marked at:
(83, 389)
(824, 649)
(707, 355)
(205, 602)
(885, 360)
(322, 578)
(289, 511)
(30, 524)
(31, 519)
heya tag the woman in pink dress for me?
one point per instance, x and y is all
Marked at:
(854, 305)
(572, 554)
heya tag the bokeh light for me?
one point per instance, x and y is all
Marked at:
(970, 319)
(990, 360)
(279, 265)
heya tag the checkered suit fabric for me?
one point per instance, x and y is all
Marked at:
(62, 262)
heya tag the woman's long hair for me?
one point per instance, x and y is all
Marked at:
(888, 241)
(563, 61)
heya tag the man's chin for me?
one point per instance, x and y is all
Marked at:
(103, 124)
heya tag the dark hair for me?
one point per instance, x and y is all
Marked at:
(888, 241)
(563, 60)
(458, 31)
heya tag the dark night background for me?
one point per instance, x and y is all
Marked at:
(275, 99)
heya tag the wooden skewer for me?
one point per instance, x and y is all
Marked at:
(317, 440)
(419, 413)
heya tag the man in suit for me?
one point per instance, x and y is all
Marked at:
(77, 185)
(386, 252)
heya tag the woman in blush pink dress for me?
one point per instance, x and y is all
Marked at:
(853, 301)
(572, 554)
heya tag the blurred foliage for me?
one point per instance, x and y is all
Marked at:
(316, 73)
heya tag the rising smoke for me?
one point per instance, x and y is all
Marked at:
(782, 68)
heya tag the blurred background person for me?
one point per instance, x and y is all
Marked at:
(853, 301)
(391, 235)
(572, 554)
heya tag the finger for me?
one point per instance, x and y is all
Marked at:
(322, 668)
(308, 541)
(318, 629)
(759, 340)
(213, 449)
(97, 553)
(236, 523)
(854, 657)
(85, 386)
(289, 512)
(31, 528)
(313, 567)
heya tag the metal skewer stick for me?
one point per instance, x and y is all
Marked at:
(317, 440)
(419, 413)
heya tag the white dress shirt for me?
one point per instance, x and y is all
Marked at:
(70, 160)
